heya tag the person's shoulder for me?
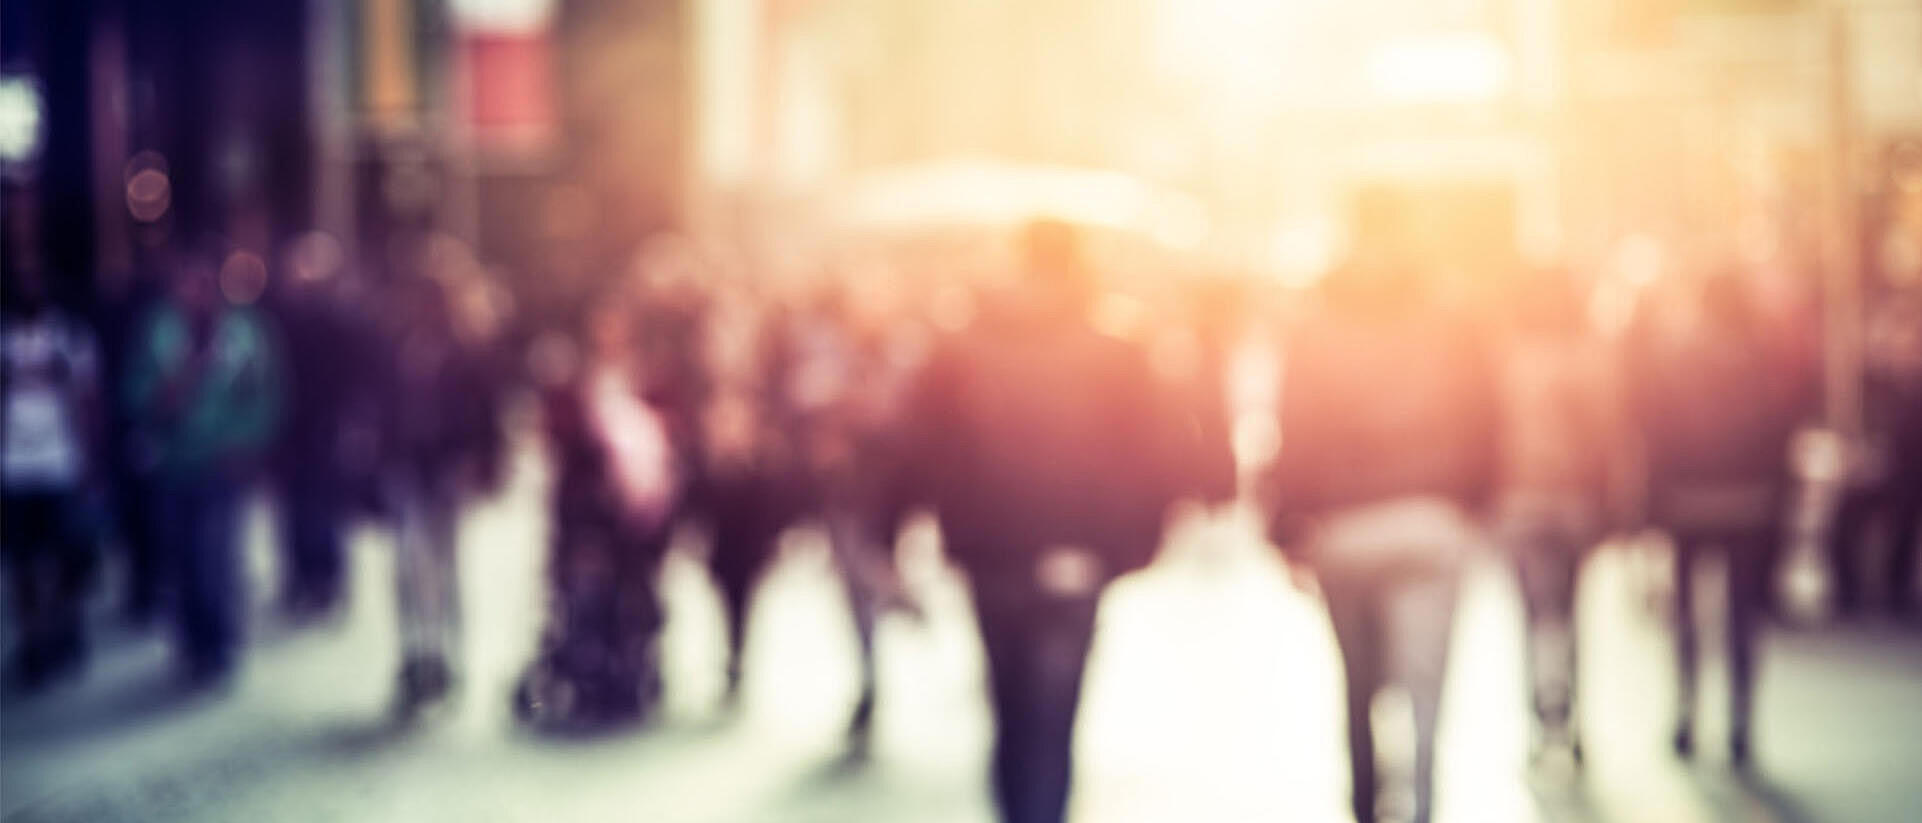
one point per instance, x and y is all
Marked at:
(247, 325)
(162, 318)
(76, 335)
(66, 326)
(1121, 352)
(249, 319)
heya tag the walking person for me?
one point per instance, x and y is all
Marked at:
(1380, 486)
(330, 341)
(442, 447)
(121, 310)
(1560, 484)
(1717, 391)
(618, 489)
(50, 473)
(1888, 484)
(1031, 442)
(204, 385)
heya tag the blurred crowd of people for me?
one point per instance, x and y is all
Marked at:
(1049, 432)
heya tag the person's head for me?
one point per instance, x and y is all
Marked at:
(609, 328)
(417, 302)
(194, 280)
(25, 284)
(1053, 264)
(313, 263)
(1369, 283)
(1726, 300)
(1548, 302)
(26, 288)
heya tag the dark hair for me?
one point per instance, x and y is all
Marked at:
(209, 249)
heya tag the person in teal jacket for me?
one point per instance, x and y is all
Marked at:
(203, 385)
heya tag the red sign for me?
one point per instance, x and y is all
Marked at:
(509, 83)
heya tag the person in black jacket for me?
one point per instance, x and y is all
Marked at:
(1034, 424)
(1890, 488)
(442, 445)
(1389, 430)
(618, 484)
(329, 340)
(124, 303)
(1717, 386)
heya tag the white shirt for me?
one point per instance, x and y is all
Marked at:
(49, 364)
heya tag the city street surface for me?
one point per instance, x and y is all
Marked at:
(1212, 696)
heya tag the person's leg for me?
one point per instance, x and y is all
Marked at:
(743, 543)
(1905, 528)
(412, 575)
(25, 534)
(427, 592)
(1571, 660)
(853, 547)
(734, 576)
(1686, 652)
(642, 614)
(444, 539)
(1037, 651)
(1853, 517)
(1751, 570)
(1060, 659)
(315, 552)
(144, 539)
(73, 571)
(194, 607)
(1555, 639)
(1547, 570)
(175, 518)
(1354, 613)
(1424, 622)
(211, 600)
(1002, 623)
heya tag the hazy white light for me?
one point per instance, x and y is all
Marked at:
(1640, 259)
(1302, 251)
(1452, 68)
(503, 15)
(1228, 50)
(727, 35)
(19, 118)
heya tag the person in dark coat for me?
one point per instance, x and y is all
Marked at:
(1389, 423)
(1032, 452)
(121, 310)
(1560, 483)
(1889, 490)
(845, 383)
(330, 341)
(618, 487)
(50, 392)
(441, 446)
(1717, 388)
(203, 383)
